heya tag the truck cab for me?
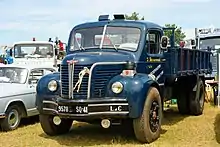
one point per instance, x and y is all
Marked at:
(118, 71)
(35, 52)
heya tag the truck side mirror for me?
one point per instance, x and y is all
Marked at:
(10, 52)
(193, 43)
(164, 42)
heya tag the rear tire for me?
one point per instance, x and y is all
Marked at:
(147, 126)
(52, 129)
(197, 99)
(182, 98)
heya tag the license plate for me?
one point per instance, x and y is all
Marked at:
(63, 109)
(81, 109)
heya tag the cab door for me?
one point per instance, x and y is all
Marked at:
(154, 61)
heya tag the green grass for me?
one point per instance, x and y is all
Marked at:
(176, 131)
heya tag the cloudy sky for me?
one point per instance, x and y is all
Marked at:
(24, 19)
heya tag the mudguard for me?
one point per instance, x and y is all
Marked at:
(42, 92)
(135, 90)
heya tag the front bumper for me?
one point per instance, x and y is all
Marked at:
(87, 108)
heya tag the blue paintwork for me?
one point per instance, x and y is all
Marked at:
(177, 63)
(135, 90)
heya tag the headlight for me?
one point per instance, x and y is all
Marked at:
(117, 87)
(52, 85)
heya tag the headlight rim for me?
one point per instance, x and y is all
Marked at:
(121, 87)
(50, 82)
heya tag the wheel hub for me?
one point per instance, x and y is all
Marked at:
(13, 118)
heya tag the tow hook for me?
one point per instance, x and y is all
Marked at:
(105, 123)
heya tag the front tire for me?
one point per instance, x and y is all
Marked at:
(12, 119)
(147, 126)
(52, 129)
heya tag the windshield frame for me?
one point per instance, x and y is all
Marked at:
(21, 68)
(74, 32)
(208, 38)
(32, 45)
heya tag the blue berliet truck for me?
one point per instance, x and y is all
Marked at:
(120, 71)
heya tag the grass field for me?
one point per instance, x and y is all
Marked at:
(176, 131)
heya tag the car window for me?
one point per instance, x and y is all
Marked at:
(37, 74)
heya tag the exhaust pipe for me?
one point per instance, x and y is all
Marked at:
(105, 123)
(57, 120)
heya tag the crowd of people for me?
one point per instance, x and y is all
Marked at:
(58, 42)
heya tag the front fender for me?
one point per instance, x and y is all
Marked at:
(42, 91)
(135, 90)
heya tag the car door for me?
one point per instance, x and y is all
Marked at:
(154, 56)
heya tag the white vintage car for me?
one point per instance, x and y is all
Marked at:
(17, 93)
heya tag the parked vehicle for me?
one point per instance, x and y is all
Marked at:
(36, 52)
(126, 80)
(209, 39)
(4, 57)
(17, 93)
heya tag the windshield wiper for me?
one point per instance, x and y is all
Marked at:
(103, 37)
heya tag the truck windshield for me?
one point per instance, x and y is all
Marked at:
(33, 50)
(209, 42)
(125, 38)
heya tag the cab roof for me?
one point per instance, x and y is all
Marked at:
(34, 42)
(134, 23)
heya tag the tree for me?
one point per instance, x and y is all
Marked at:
(134, 16)
(179, 35)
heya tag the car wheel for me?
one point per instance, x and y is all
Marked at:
(12, 119)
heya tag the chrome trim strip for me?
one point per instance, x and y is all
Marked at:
(109, 104)
(91, 69)
(61, 80)
(50, 102)
(49, 109)
(109, 112)
(70, 74)
(161, 84)
(94, 113)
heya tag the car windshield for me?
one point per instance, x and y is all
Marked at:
(116, 37)
(13, 75)
(33, 50)
(209, 42)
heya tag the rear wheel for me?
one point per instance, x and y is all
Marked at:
(147, 126)
(182, 97)
(52, 129)
(197, 98)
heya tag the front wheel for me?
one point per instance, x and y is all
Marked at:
(12, 119)
(50, 128)
(147, 126)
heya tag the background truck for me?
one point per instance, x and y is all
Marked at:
(36, 52)
(209, 39)
(124, 81)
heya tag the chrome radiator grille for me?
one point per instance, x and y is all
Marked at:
(101, 75)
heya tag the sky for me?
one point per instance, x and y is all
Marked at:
(21, 20)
